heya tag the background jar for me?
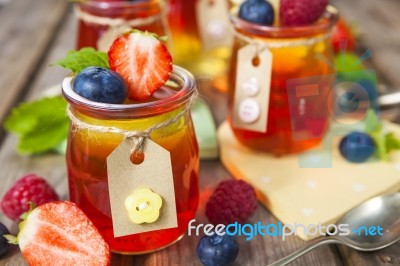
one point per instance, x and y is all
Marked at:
(88, 150)
(299, 54)
(203, 52)
(99, 23)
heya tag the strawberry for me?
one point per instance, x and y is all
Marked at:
(59, 233)
(301, 12)
(143, 60)
(342, 38)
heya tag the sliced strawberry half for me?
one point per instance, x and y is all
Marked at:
(143, 60)
(59, 233)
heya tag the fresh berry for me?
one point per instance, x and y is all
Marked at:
(357, 147)
(342, 38)
(257, 11)
(217, 250)
(143, 60)
(232, 201)
(301, 12)
(30, 188)
(100, 85)
(59, 233)
(4, 245)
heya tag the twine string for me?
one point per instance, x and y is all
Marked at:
(139, 136)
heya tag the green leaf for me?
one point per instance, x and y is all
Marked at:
(372, 122)
(373, 127)
(43, 139)
(392, 142)
(380, 142)
(348, 62)
(41, 125)
(385, 142)
(85, 57)
(11, 239)
(61, 148)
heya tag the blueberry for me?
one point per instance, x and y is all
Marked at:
(217, 250)
(357, 147)
(257, 11)
(4, 245)
(100, 85)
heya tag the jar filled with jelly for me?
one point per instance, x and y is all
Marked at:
(299, 80)
(89, 148)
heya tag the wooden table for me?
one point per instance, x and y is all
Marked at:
(35, 33)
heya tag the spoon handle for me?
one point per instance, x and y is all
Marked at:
(301, 252)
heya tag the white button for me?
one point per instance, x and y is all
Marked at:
(216, 29)
(251, 87)
(249, 111)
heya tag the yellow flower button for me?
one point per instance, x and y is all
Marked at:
(143, 206)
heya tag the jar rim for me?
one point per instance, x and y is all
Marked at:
(327, 21)
(119, 4)
(188, 87)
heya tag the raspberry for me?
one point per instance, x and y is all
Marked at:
(29, 188)
(301, 12)
(232, 201)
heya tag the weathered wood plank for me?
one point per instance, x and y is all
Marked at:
(27, 28)
(378, 24)
(51, 166)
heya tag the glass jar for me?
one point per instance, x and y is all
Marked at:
(300, 56)
(190, 49)
(100, 22)
(88, 150)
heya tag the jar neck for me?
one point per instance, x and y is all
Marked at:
(123, 9)
(178, 93)
(322, 26)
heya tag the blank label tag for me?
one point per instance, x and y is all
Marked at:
(107, 38)
(250, 110)
(155, 173)
(213, 23)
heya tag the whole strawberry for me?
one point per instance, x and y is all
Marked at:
(59, 233)
(29, 188)
(301, 12)
(232, 201)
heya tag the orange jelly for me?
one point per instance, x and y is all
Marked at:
(298, 54)
(88, 150)
(110, 18)
(187, 47)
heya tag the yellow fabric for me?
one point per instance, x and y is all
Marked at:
(308, 195)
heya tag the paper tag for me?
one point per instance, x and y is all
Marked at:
(107, 38)
(155, 173)
(213, 23)
(253, 82)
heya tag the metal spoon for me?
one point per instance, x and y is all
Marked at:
(383, 211)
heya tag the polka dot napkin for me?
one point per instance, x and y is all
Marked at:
(296, 191)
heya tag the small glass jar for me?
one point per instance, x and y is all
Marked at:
(100, 22)
(190, 49)
(298, 54)
(88, 150)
